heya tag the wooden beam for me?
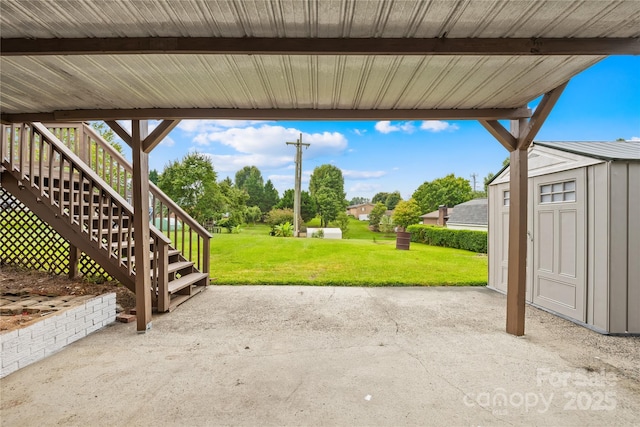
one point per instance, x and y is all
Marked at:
(120, 131)
(517, 269)
(540, 115)
(158, 134)
(139, 130)
(319, 46)
(74, 261)
(109, 115)
(498, 131)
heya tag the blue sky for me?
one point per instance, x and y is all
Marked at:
(602, 103)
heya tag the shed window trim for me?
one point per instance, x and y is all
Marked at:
(506, 198)
(558, 192)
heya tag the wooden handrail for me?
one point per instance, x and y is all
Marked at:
(38, 150)
(154, 189)
(162, 206)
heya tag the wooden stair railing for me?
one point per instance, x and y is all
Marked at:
(186, 234)
(62, 190)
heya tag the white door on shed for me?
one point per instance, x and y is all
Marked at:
(559, 247)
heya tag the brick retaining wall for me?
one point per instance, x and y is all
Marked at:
(25, 346)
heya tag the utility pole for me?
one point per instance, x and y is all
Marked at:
(474, 176)
(298, 184)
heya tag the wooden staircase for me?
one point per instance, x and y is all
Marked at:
(72, 196)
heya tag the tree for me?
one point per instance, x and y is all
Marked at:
(249, 179)
(407, 212)
(307, 206)
(270, 197)
(327, 191)
(328, 205)
(153, 176)
(389, 199)
(191, 183)
(106, 133)
(449, 190)
(376, 215)
(252, 214)
(330, 177)
(343, 222)
(386, 224)
(358, 201)
(380, 198)
(392, 200)
(235, 201)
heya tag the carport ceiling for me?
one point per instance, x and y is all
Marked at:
(306, 59)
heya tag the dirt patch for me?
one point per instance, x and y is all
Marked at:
(17, 281)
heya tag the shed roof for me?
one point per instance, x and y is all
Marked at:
(472, 212)
(306, 59)
(604, 150)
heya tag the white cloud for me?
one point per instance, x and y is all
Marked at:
(635, 138)
(235, 162)
(168, 141)
(362, 174)
(437, 126)
(271, 140)
(385, 126)
(360, 132)
(200, 126)
(362, 187)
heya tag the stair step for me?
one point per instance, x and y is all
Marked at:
(180, 265)
(176, 300)
(125, 243)
(152, 255)
(184, 281)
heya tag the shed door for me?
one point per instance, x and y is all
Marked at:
(559, 247)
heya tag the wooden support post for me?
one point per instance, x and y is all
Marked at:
(139, 130)
(517, 274)
(517, 141)
(74, 261)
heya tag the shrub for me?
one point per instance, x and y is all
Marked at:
(376, 214)
(229, 223)
(470, 240)
(407, 212)
(279, 216)
(318, 234)
(343, 222)
(283, 230)
(386, 224)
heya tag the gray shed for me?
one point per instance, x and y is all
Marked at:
(584, 232)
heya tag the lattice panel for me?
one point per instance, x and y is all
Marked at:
(29, 242)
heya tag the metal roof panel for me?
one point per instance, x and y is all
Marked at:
(605, 150)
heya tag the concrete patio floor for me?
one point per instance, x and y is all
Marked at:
(334, 356)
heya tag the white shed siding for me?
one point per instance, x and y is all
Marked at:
(598, 246)
(618, 233)
(633, 296)
(609, 271)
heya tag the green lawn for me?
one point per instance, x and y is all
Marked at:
(253, 257)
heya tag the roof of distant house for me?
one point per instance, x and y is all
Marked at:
(359, 205)
(472, 212)
(436, 214)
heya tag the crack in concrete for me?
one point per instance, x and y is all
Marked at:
(385, 309)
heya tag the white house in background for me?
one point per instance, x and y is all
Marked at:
(471, 215)
(583, 258)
